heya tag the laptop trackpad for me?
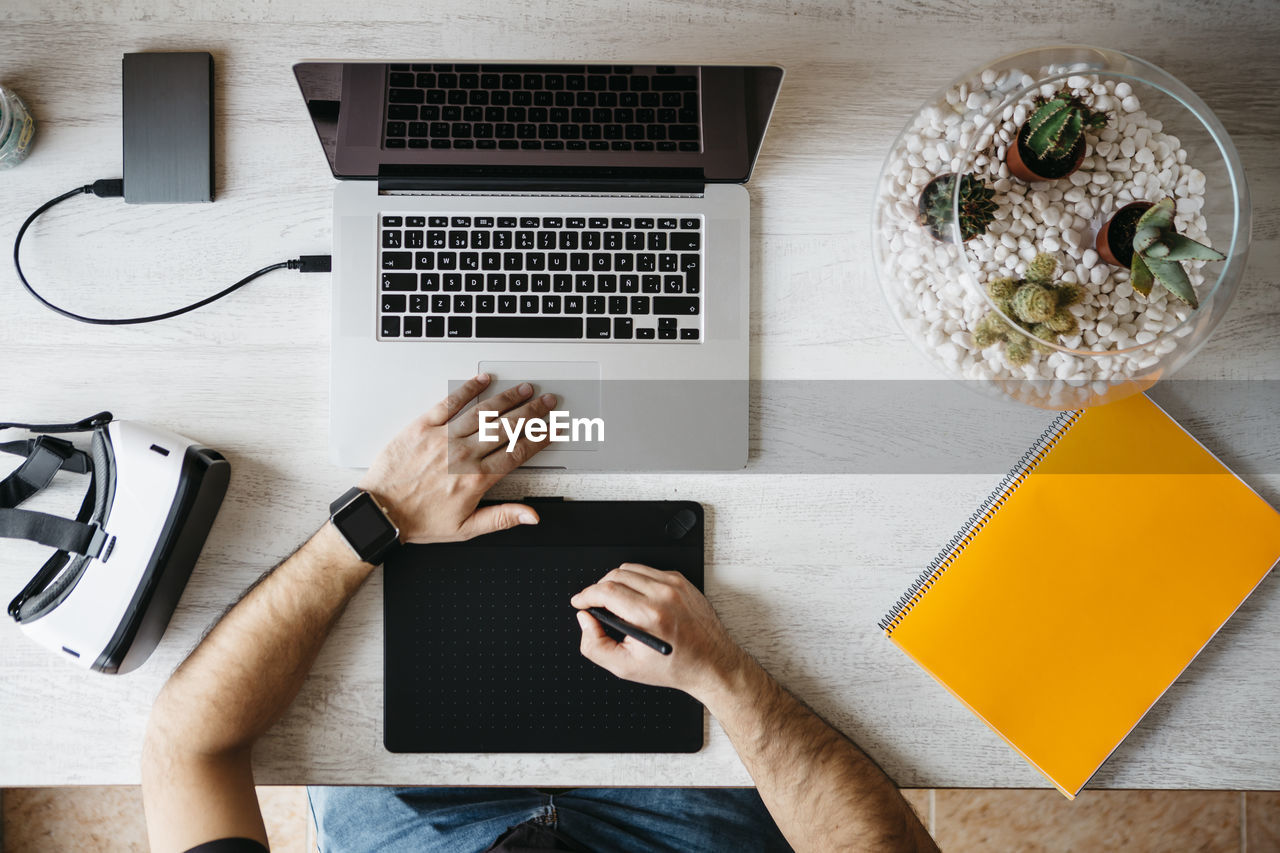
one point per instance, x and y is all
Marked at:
(576, 383)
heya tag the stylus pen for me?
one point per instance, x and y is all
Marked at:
(630, 630)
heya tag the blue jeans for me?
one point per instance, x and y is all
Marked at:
(467, 820)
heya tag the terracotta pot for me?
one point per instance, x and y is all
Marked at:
(1022, 162)
(1103, 241)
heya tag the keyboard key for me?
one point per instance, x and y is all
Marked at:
(497, 282)
(688, 334)
(424, 260)
(573, 305)
(639, 305)
(436, 239)
(620, 224)
(390, 327)
(412, 327)
(438, 221)
(471, 260)
(622, 328)
(391, 239)
(681, 242)
(682, 305)
(597, 327)
(617, 304)
(475, 282)
(485, 304)
(600, 262)
(595, 304)
(433, 327)
(635, 240)
(540, 283)
(624, 262)
(689, 224)
(519, 282)
(606, 284)
(528, 305)
(394, 303)
(507, 304)
(584, 283)
(668, 262)
(651, 283)
(461, 222)
(397, 260)
(430, 281)
(447, 260)
(529, 327)
(562, 283)
(490, 260)
(673, 284)
(399, 281)
(459, 327)
(462, 304)
(644, 334)
(629, 283)
(551, 305)
(414, 239)
(513, 260)
(419, 303)
(667, 334)
(440, 304)
(415, 221)
(452, 282)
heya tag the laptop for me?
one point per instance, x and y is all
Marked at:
(580, 226)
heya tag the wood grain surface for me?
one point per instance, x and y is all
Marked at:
(800, 565)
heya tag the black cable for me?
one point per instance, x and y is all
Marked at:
(112, 188)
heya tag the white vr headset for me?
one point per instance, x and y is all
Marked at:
(105, 596)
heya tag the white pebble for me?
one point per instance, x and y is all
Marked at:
(1123, 89)
(1144, 338)
(1090, 259)
(1131, 104)
(1079, 178)
(1123, 290)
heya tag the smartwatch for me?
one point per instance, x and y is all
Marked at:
(365, 526)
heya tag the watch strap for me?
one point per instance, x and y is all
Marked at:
(347, 497)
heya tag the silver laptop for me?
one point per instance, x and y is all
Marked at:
(581, 227)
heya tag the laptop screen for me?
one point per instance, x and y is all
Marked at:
(520, 120)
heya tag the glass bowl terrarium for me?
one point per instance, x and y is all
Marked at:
(1067, 225)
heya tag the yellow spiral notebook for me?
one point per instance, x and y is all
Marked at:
(1086, 583)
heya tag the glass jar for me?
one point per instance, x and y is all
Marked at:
(936, 283)
(16, 129)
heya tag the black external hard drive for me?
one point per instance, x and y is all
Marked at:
(168, 127)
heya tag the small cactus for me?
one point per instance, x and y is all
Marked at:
(977, 206)
(1036, 303)
(1157, 250)
(1058, 123)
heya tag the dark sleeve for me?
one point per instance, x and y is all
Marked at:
(230, 845)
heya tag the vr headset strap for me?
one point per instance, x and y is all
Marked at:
(46, 456)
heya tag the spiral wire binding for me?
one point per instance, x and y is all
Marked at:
(1035, 453)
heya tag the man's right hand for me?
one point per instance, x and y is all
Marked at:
(666, 605)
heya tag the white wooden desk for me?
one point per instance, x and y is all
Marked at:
(800, 566)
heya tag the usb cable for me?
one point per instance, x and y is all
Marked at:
(113, 188)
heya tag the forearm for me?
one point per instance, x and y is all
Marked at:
(824, 793)
(249, 668)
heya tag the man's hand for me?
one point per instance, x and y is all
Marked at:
(432, 475)
(666, 605)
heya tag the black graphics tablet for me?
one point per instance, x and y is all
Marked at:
(481, 648)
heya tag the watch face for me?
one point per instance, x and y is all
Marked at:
(364, 526)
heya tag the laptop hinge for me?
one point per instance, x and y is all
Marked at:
(561, 185)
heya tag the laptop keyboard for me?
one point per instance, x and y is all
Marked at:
(522, 277)
(543, 107)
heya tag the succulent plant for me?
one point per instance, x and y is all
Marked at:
(1036, 303)
(1157, 251)
(1057, 124)
(977, 206)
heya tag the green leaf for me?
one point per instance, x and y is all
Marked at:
(1140, 276)
(1182, 248)
(1145, 239)
(1174, 279)
(1158, 216)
